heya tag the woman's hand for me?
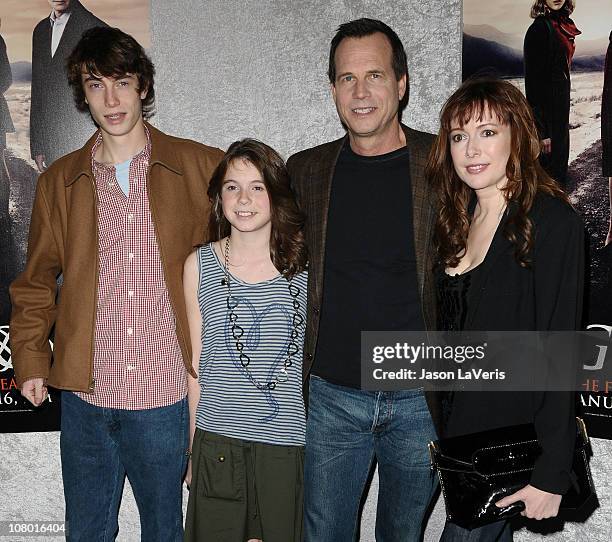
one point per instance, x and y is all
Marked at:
(538, 504)
(546, 145)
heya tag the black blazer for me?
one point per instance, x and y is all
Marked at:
(56, 126)
(546, 296)
(311, 173)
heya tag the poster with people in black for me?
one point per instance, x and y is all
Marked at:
(39, 123)
(558, 53)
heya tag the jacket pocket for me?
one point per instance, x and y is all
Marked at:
(222, 471)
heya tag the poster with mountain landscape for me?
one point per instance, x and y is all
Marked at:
(64, 130)
(494, 42)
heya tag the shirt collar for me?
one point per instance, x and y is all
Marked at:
(163, 152)
(62, 19)
(144, 154)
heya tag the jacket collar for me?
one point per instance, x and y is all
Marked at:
(161, 153)
(324, 171)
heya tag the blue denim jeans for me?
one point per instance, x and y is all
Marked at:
(499, 531)
(99, 446)
(346, 430)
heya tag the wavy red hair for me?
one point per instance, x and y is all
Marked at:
(526, 177)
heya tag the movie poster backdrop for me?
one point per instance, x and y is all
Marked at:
(38, 124)
(498, 37)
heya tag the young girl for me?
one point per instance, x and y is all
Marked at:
(245, 293)
(511, 258)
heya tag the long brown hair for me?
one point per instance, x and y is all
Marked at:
(540, 8)
(526, 177)
(287, 246)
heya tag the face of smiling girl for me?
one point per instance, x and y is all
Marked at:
(244, 197)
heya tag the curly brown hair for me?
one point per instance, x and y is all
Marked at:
(526, 177)
(109, 52)
(287, 245)
(540, 8)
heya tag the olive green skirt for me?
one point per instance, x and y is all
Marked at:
(242, 490)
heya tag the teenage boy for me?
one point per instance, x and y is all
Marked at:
(116, 219)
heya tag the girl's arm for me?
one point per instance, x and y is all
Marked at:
(191, 277)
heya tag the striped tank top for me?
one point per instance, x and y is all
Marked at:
(230, 403)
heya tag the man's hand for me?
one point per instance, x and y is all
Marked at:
(546, 145)
(538, 504)
(40, 162)
(35, 390)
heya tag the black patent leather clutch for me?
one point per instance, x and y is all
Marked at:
(479, 469)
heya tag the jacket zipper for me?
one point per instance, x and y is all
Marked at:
(92, 382)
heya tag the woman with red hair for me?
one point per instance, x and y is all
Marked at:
(510, 258)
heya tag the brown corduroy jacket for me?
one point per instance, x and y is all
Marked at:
(63, 240)
(311, 174)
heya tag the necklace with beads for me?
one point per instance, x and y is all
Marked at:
(237, 331)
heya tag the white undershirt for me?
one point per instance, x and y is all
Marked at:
(122, 172)
(58, 24)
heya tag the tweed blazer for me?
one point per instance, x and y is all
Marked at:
(312, 172)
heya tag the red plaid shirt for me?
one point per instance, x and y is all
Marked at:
(137, 361)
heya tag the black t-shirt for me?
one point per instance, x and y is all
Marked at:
(370, 280)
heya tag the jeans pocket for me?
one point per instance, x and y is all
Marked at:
(222, 471)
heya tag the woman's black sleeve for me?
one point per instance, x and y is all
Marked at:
(559, 283)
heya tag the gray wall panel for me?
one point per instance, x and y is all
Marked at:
(233, 69)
